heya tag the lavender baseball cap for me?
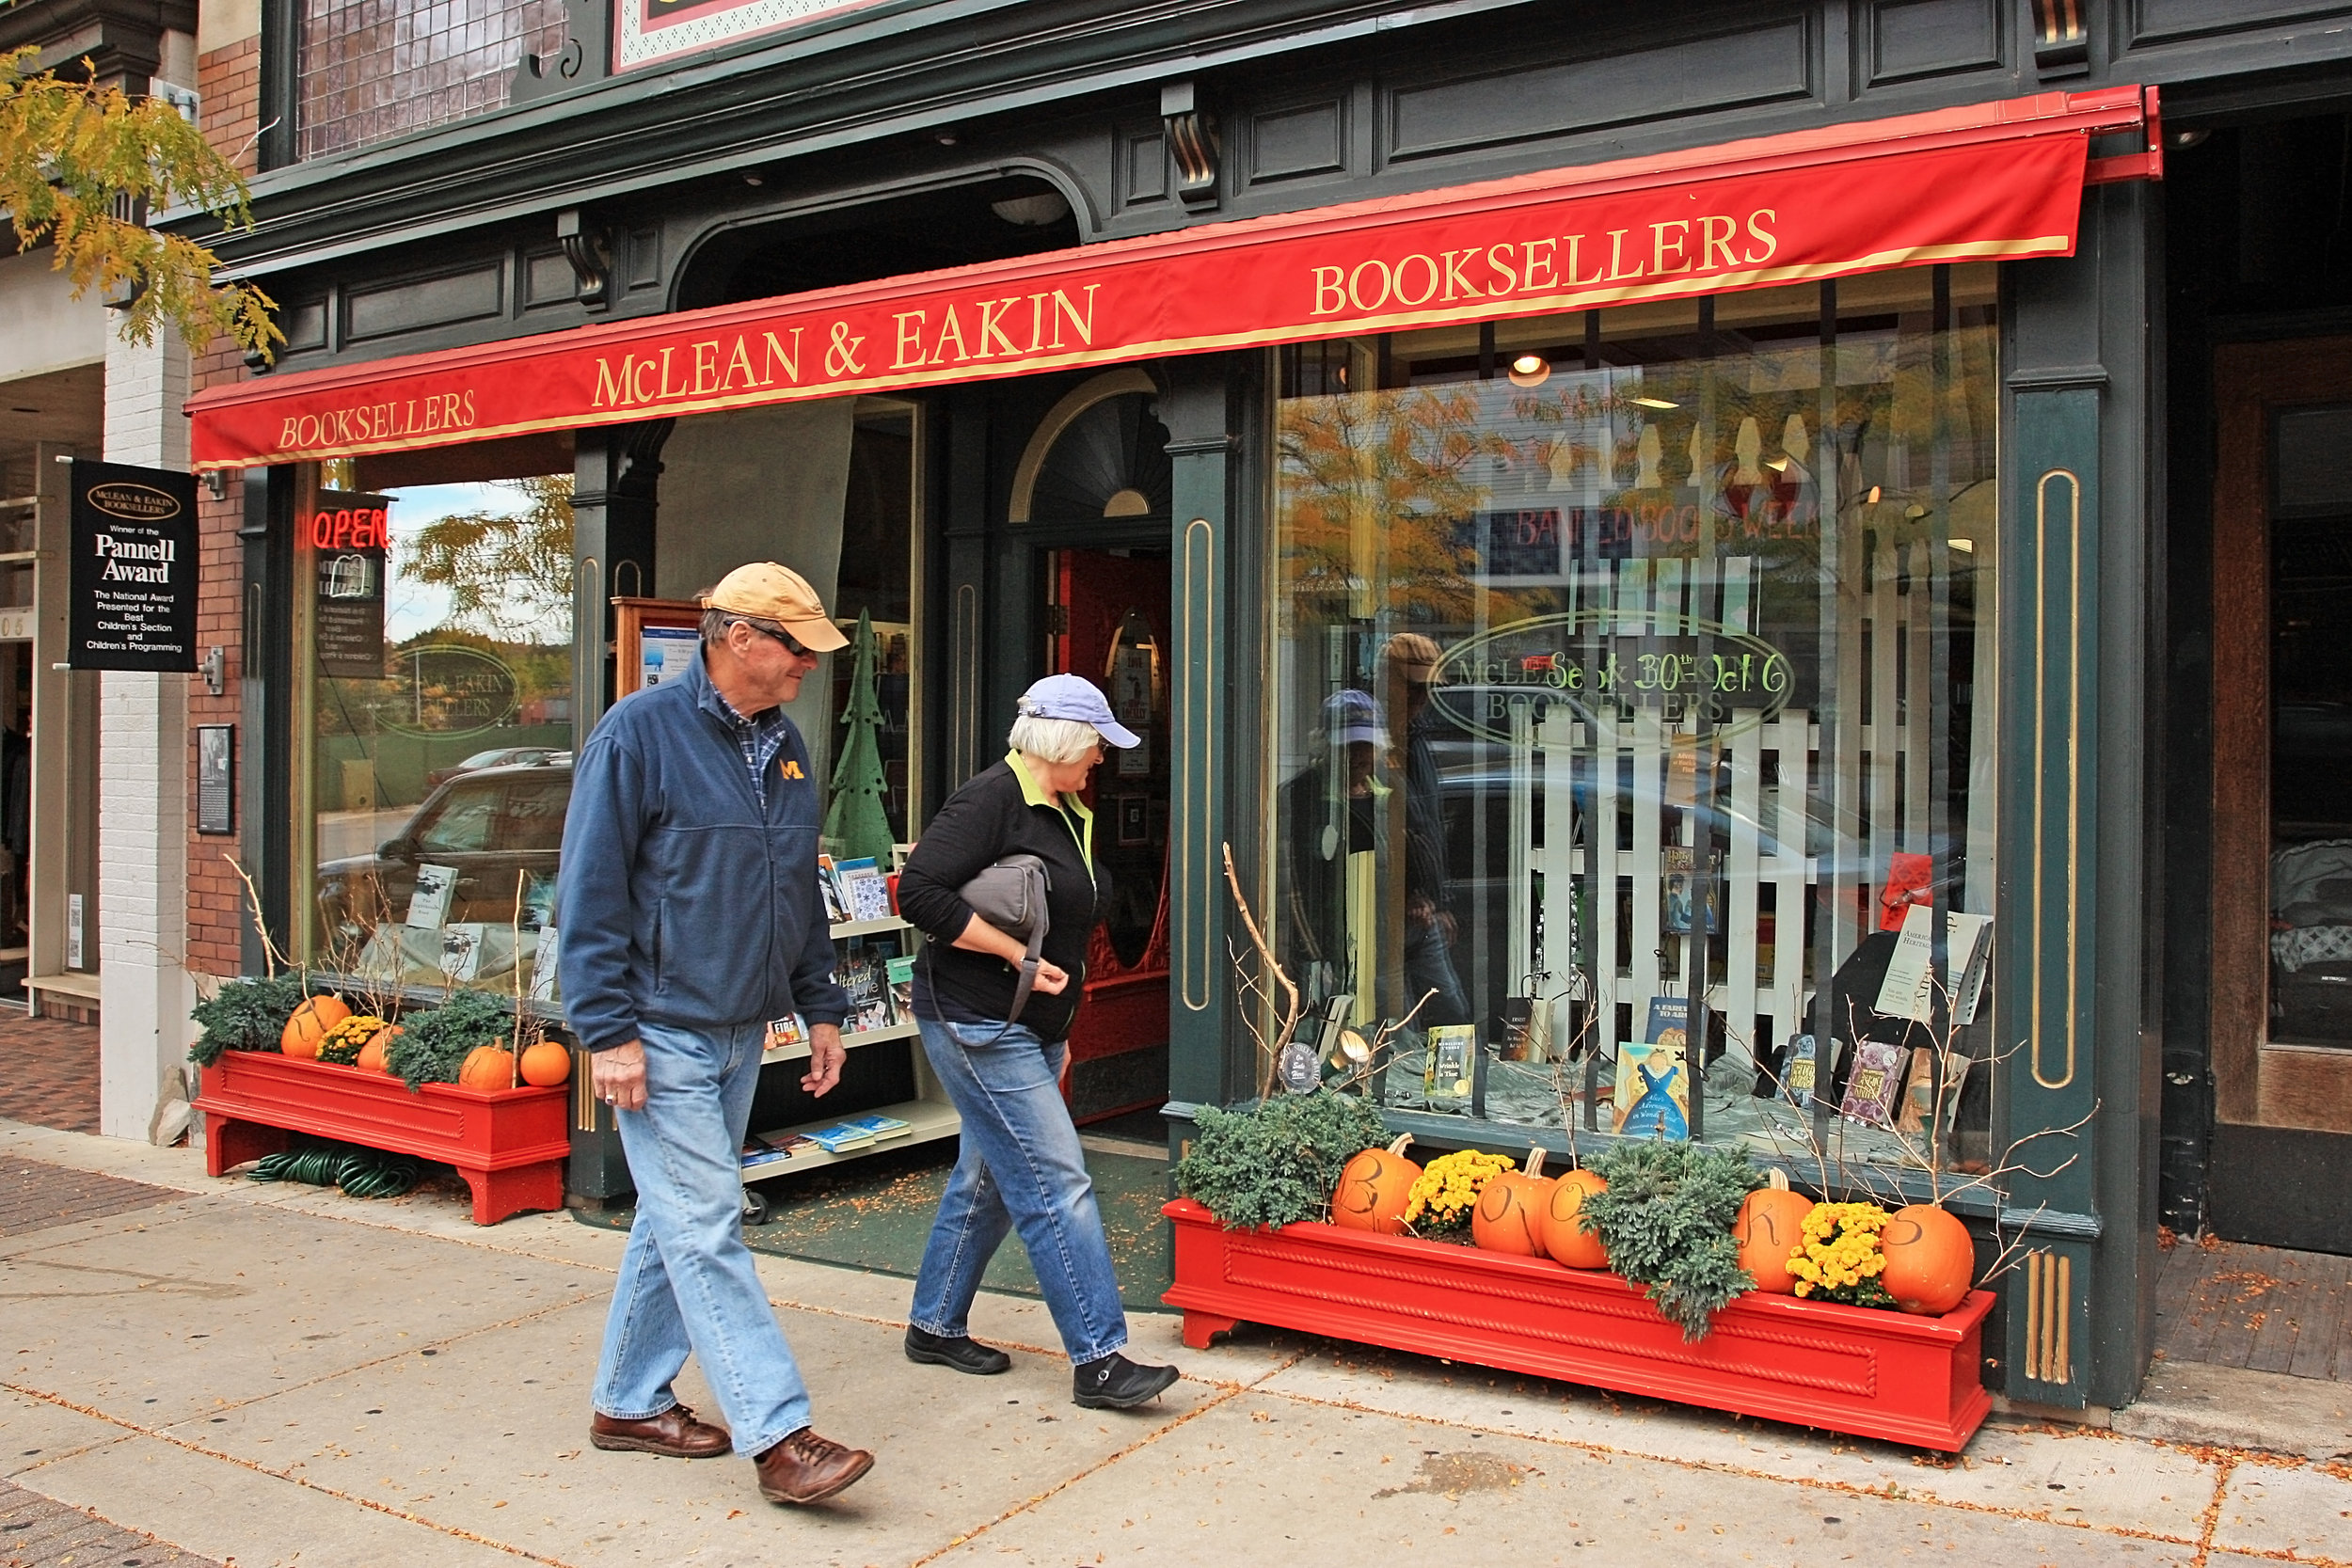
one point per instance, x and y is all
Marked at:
(1075, 697)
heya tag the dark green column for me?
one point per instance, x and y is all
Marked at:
(615, 476)
(1210, 627)
(2077, 1008)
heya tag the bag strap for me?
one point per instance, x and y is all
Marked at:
(1034, 878)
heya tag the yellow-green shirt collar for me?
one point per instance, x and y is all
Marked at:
(1034, 793)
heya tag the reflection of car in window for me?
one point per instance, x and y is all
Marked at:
(499, 829)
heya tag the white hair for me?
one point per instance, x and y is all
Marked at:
(1056, 740)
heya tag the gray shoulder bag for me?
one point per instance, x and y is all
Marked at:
(1011, 896)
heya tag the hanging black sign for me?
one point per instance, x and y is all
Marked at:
(350, 536)
(133, 572)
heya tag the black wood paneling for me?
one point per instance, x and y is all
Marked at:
(548, 279)
(1761, 65)
(2161, 21)
(1907, 39)
(381, 310)
(1287, 143)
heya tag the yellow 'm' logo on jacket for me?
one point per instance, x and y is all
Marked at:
(792, 770)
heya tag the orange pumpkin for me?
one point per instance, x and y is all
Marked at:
(1769, 1229)
(1563, 1233)
(1930, 1259)
(546, 1065)
(372, 1055)
(1373, 1190)
(309, 1025)
(488, 1066)
(1510, 1212)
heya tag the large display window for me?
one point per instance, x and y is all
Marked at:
(1631, 721)
(438, 621)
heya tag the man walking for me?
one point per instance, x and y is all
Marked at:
(690, 919)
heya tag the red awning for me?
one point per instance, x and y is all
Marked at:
(1990, 181)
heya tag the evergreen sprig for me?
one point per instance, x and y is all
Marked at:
(437, 1041)
(1276, 1163)
(1666, 1220)
(244, 1015)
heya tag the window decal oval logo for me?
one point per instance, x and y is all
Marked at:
(1595, 661)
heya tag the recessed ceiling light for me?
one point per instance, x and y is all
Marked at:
(1032, 211)
(1653, 402)
(1873, 497)
(1530, 369)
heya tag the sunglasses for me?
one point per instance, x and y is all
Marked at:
(791, 644)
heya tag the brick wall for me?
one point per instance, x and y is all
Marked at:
(215, 896)
(228, 79)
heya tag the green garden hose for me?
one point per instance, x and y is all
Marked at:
(360, 1172)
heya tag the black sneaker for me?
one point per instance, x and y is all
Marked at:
(1116, 1383)
(963, 1353)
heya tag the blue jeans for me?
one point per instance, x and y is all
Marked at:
(1021, 1169)
(687, 1280)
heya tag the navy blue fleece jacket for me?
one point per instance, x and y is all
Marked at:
(680, 902)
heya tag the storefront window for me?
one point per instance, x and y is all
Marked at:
(1631, 656)
(438, 619)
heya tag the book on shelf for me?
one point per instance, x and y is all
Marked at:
(759, 1151)
(901, 973)
(868, 984)
(436, 889)
(796, 1144)
(841, 1138)
(831, 887)
(881, 1126)
(864, 894)
(789, 1030)
(1651, 1097)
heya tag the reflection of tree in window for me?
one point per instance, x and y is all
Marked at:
(508, 576)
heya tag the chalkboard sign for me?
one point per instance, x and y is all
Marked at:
(133, 571)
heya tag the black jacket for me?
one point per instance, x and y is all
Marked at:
(1001, 811)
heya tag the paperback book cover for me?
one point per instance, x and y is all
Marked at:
(1876, 1084)
(1446, 1073)
(831, 887)
(1653, 1089)
(902, 971)
(436, 885)
(1679, 866)
(1910, 992)
(759, 1151)
(1797, 1069)
(881, 1126)
(841, 1138)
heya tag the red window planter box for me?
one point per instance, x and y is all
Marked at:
(1847, 1368)
(509, 1145)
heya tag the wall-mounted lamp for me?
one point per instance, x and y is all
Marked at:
(217, 484)
(216, 670)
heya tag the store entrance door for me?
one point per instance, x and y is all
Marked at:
(1107, 619)
(2282, 1155)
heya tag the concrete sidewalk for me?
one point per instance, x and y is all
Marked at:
(257, 1374)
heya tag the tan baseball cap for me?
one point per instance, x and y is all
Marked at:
(781, 594)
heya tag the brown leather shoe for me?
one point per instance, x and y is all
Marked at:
(806, 1468)
(674, 1434)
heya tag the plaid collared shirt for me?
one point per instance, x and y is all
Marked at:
(760, 738)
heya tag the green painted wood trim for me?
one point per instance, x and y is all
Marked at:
(2046, 935)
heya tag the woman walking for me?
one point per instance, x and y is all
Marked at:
(1021, 1167)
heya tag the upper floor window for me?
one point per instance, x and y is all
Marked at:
(372, 70)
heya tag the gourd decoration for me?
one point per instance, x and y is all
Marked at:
(546, 1065)
(1563, 1233)
(1930, 1259)
(371, 1058)
(1770, 1227)
(488, 1066)
(1374, 1188)
(1510, 1212)
(310, 1024)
